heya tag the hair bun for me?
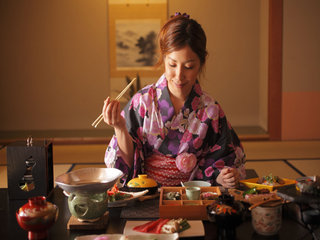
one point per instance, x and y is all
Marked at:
(179, 14)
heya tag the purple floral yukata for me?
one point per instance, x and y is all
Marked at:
(200, 128)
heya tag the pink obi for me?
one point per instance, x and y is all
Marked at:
(164, 170)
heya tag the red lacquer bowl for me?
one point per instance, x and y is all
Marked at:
(37, 216)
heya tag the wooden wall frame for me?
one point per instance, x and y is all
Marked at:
(275, 69)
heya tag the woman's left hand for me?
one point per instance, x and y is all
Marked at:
(228, 178)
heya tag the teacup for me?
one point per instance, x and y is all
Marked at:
(266, 220)
(88, 208)
(193, 193)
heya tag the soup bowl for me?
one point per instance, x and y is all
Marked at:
(227, 214)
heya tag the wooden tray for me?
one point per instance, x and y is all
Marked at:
(184, 208)
(75, 224)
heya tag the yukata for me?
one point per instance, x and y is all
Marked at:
(160, 136)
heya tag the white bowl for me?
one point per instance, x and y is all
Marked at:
(196, 183)
(88, 181)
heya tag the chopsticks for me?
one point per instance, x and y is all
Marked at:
(100, 118)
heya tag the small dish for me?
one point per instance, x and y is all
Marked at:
(250, 183)
(174, 236)
(124, 202)
(308, 185)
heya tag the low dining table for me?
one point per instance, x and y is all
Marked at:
(10, 230)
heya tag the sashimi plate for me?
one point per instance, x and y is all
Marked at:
(174, 236)
(196, 229)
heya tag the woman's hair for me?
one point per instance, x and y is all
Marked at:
(178, 32)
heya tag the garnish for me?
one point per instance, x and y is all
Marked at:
(250, 191)
(116, 195)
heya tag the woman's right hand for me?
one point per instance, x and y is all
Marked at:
(111, 114)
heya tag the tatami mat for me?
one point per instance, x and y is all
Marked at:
(307, 167)
(57, 170)
(264, 150)
(277, 168)
(71, 154)
(282, 150)
(79, 153)
(288, 159)
(80, 166)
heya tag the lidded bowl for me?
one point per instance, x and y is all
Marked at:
(141, 183)
(227, 214)
(37, 216)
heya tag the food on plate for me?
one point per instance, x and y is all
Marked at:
(173, 196)
(209, 196)
(163, 226)
(237, 194)
(254, 190)
(108, 238)
(255, 198)
(116, 195)
(309, 185)
(271, 180)
(222, 208)
(253, 195)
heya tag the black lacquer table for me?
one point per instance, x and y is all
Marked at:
(10, 230)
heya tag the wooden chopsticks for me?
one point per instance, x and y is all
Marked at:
(100, 118)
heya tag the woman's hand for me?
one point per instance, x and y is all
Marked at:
(228, 178)
(111, 114)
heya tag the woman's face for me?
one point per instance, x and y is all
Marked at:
(182, 68)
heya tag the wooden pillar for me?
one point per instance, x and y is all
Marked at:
(275, 69)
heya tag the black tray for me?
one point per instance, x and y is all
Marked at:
(290, 193)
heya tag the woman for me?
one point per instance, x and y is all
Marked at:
(172, 130)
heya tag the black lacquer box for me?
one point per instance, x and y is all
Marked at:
(29, 169)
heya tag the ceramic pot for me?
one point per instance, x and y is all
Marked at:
(267, 220)
(37, 216)
(227, 214)
(88, 207)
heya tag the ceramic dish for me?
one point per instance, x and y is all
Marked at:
(196, 183)
(121, 203)
(308, 185)
(89, 181)
(174, 236)
(250, 183)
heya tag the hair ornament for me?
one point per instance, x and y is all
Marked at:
(184, 15)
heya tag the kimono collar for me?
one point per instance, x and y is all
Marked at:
(162, 84)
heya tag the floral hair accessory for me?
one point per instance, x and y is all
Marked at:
(186, 162)
(184, 15)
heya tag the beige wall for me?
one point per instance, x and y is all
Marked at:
(301, 71)
(54, 60)
(54, 63)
